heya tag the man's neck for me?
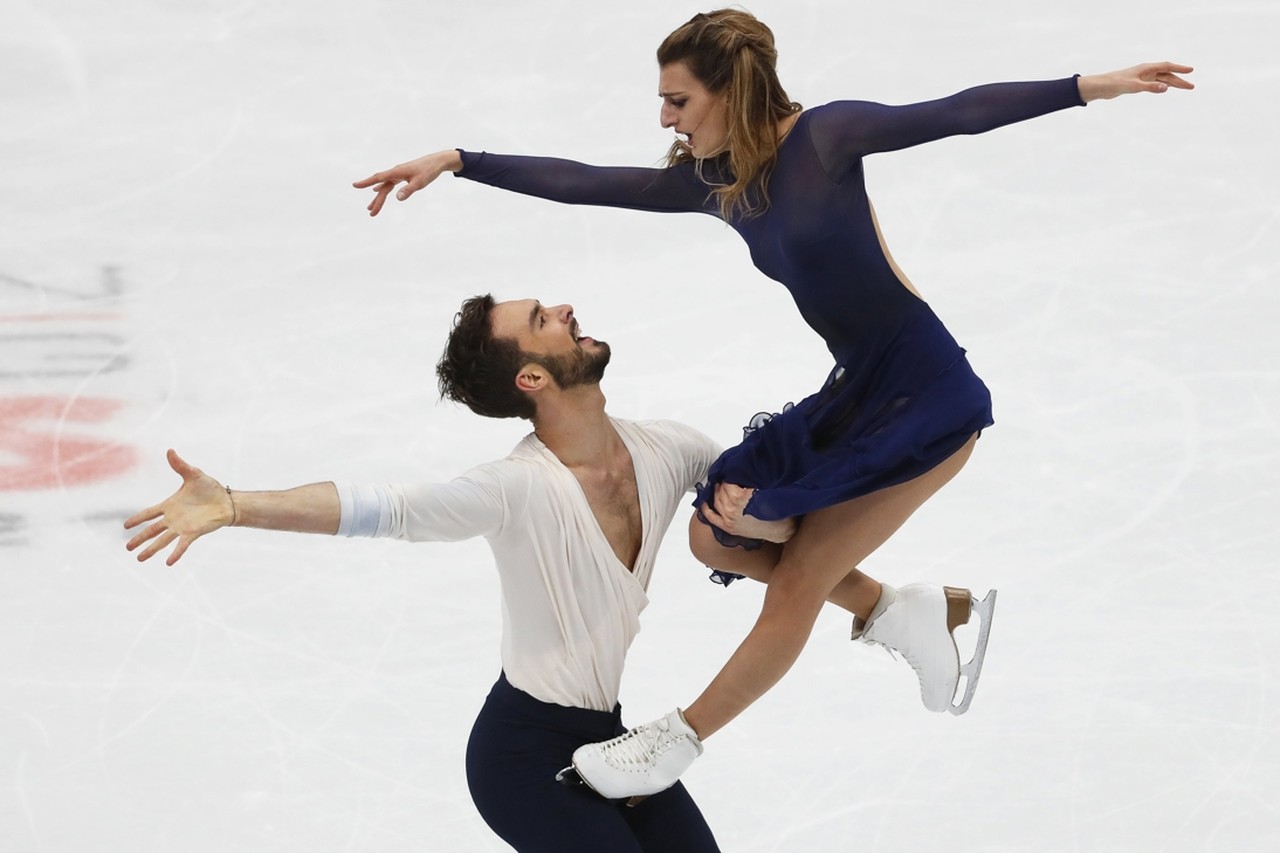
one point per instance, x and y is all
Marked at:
(576, 428)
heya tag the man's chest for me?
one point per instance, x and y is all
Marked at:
(614, 500)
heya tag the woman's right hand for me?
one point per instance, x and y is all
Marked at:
(415, 175)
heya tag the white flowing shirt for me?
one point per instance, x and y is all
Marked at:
(570, 608)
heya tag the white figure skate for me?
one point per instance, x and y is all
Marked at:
(919, 624)
(641, 762)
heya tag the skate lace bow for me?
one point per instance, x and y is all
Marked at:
(640, 745)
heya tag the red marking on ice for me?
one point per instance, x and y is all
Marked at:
(32, 432)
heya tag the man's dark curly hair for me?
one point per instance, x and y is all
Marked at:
(479, 370)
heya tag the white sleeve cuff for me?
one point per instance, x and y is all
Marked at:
(366, 510)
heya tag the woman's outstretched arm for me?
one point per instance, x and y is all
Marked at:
(845, 131)
(666, 190)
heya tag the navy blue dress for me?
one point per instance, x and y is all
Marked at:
(901, 397)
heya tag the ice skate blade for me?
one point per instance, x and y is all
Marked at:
(573, 779)
(570, 776)
(971, 670)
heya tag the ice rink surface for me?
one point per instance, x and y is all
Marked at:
(183, 263)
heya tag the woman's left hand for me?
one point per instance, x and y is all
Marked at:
(730, 516)
(1156, 77)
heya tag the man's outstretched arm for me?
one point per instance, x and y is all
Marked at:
(202, 505)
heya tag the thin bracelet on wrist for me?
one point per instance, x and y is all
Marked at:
(235, 515)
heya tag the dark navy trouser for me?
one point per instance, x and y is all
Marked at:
(517, 746)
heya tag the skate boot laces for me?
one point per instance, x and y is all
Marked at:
(639, 747)
(896, 654)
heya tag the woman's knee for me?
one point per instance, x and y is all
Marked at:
(703, 544)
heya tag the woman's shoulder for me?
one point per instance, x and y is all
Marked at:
(834, 116)
(836, 109)
(827, 124)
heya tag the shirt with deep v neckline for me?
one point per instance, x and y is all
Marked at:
(570, 608)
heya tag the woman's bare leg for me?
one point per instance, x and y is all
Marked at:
(855, 592)
(811, 565)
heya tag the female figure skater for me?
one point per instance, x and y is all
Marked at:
(896, 418)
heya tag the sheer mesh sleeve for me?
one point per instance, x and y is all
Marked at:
(673, 190)
(846, 130)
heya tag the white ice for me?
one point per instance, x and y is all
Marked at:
(179, 240)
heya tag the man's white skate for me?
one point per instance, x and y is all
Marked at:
(919, 624)
(643, 761)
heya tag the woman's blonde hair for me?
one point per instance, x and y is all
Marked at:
(733, 53)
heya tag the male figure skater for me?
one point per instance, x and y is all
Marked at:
(574, 516)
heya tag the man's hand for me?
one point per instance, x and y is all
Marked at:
(200, 506)
(729, 515)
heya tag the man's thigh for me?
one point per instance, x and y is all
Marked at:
(671, 822)
(553, 818)
(512, 761)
